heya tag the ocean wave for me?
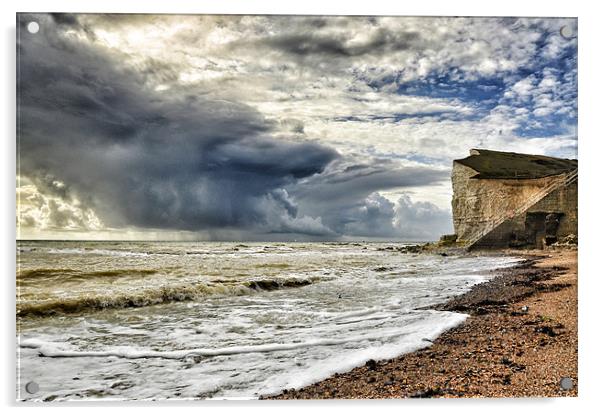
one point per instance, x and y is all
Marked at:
(154, 296)
(44, 273)
(106, 252)
(414, 336)
(38, 273)
(50, 349)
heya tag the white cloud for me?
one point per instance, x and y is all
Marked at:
(227, 57)
(36, 210)
(522, 89)
(421, 220)
(336, 81)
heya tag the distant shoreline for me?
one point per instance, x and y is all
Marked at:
(520, 339)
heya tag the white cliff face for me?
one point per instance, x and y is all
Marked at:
(477, 202)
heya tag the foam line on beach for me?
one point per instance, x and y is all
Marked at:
(423, 332)
(50, 349)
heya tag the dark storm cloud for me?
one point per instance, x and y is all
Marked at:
(376, 216)
(94, 131)
(343, 182)
(320, 42)
(66, 19)
(145, 159)
(347, 199)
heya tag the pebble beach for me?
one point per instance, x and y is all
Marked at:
(519, 341)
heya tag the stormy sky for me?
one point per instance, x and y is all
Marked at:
(275, 127)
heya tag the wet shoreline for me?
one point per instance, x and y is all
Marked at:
(520, 339)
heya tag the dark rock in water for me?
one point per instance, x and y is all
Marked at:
(448, 240)
(443, 254)
(122, 385)
(411, 249)
(371, 364)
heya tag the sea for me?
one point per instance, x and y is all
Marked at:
(206, 320)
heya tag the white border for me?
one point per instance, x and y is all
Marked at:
(589, 156)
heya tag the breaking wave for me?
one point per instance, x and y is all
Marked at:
(50, 349)
(65, 273)
(107, 252)
(154, 296)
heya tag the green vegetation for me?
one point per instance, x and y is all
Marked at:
(502, 165)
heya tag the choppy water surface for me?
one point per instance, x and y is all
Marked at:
(123, 320)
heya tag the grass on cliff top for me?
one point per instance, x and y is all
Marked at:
(501, 165)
